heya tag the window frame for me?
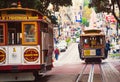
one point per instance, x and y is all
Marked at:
(23, 35)
(3, 26)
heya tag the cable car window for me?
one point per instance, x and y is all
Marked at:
(101, 40)
(14, 31)
(0, 13)
(93, 41)
(86, 43)
(16, 12)
(29, 33)
(1, 34)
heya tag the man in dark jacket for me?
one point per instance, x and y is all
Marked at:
(79, 49)
(107, 48)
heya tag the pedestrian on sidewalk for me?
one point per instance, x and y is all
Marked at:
(107, 48)
(57, 52)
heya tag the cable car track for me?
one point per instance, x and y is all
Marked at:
(91, 74)
(102, 75)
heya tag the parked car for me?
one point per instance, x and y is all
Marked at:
(116, 49)
(62, 45)
(77, 40)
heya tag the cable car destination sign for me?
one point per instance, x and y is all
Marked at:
(18, 18)
(19, 14)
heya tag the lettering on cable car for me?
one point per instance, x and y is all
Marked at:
(2, 55)
(31, 55)
(18, 18)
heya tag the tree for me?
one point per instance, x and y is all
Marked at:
(87, 12)
(85, 22)
(40, 5)
(106, 6)
(57, 3)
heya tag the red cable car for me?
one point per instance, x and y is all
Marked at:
(26, 41)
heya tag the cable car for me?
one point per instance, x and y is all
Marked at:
(26, 39)
(92, 45)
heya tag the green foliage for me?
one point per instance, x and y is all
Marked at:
(115, 55)
(53, 19)
(86, 2)
(77, 34)
(106, 6)
(68, 40)
(87, 12)
(61, 2)
(85, 22)
(38, 4)
(119, 25)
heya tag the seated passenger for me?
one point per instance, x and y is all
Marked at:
(93, 42)
(86, 44)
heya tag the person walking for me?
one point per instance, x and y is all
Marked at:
(107, 48)
(56, 51)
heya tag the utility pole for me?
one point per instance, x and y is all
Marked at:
(117, 29)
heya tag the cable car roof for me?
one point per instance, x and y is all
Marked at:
(20, 9)
(92, 32)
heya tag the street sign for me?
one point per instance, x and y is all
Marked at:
(78, 17)
(78, 20)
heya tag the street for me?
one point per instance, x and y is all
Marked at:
(68, 66)
(71, 56)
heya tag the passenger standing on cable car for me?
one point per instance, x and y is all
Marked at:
(49, 54)
(79, 49)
